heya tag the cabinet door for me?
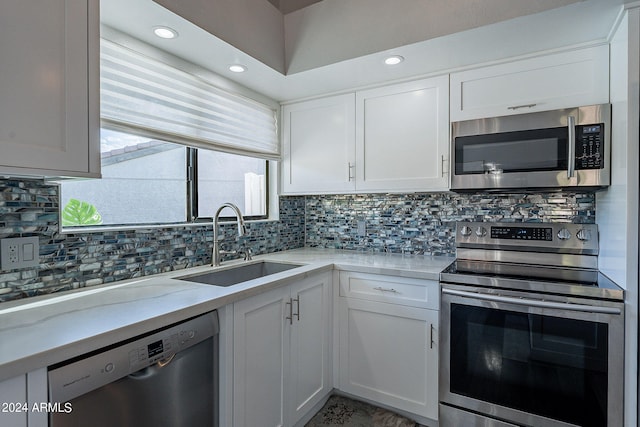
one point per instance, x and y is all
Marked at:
(260, 355)
(45, 87)
(13, 393)
(310, 345)
(563, 80)
(389, 354)
(318, 145)
(402, 136)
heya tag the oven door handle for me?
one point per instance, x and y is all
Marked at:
(534, 303)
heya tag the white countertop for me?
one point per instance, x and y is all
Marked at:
(42, 331)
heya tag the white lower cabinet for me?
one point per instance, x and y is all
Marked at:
(22, 399)
(389, 350)
(281, 353)
(13, 398)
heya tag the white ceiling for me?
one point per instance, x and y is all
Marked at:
(332, 66)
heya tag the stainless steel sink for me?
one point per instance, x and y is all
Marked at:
(242, 273)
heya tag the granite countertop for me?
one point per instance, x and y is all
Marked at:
(42, 331)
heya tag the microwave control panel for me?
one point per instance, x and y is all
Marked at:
(590, 146)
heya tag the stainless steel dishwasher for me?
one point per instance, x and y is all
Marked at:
(167, 377)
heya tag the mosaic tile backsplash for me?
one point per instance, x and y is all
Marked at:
(425, 223)
(409, 223)
(75, 260)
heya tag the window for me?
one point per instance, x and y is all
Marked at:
(144, 181)
(174, 146)
(224, 177)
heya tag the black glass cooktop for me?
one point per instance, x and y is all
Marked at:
(556, 280)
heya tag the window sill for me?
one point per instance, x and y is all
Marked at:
(141, 227)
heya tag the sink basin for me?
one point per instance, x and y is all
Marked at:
(242, 273)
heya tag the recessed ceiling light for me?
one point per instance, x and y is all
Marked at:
(393, 60)
(165, 32)
(237, 68)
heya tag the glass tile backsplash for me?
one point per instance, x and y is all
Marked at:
(425, 223)
(76, 260)
(401, 223)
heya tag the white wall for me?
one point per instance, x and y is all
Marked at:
(336, 30)
(617, 208)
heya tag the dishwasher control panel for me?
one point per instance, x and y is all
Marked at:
(161, 349)
(78, 376)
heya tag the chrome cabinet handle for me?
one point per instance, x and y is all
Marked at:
(533, 303)
(297, 300)
(517, 107)
(443, 160)
(381, 289)
(350, 168)
(290, 316)
(571, 146)
(431, 338)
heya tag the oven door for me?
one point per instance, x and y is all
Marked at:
(513, 357)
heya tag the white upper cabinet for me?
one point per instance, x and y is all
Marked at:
(318, 145)
(49, 100)
(562, 80)
(393, 138)
(402, 136)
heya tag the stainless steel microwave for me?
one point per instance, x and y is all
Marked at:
(567, 148)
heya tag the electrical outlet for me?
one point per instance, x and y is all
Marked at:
(20, 252)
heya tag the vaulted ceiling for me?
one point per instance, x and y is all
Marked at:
(288, 6)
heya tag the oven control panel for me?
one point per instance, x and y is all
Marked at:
(522, 233)
(535, 237)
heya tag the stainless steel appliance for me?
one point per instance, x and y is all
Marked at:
(165, 378)
(566, 148)
(531, 333)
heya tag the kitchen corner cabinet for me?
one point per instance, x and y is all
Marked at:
(549, 82)
(49, 96)
(282, 354)
(388, 342)
(392, 138)
(318, 145)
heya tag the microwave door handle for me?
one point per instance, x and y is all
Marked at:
(533, 303)
(571, 146)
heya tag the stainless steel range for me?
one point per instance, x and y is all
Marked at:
(531, 333)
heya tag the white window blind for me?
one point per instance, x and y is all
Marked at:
(137, 91)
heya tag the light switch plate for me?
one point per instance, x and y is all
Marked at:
(19, 252)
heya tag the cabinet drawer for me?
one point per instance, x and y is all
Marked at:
(390, 289)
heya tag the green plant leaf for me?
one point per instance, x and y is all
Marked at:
(77, 212)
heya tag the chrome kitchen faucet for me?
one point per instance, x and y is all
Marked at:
(242, 230)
